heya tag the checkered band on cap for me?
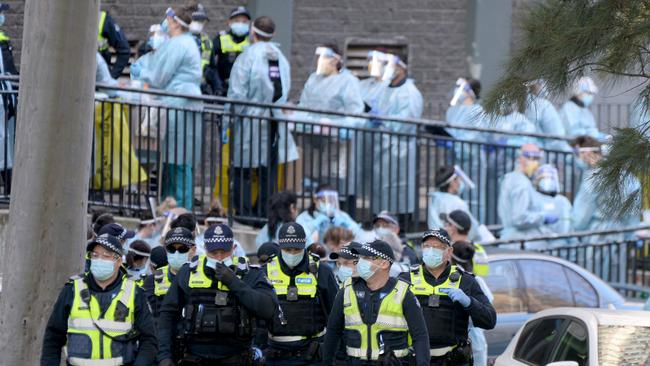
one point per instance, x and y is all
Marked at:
(179, 235)
(376, 253)
(122, 234)
(219, 239)
(346, 251)
(103, 240)
(436, 234)
(292, 240)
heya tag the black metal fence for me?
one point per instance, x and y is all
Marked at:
(208, 151)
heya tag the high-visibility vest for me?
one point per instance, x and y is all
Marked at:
(480, 261)
(306, 283)
(102, 42)
(161, 282)
(4, 37)
(206, 50)
(198, 278)
(228, 44)
(420, 287)
(85, 318)
(389, 319)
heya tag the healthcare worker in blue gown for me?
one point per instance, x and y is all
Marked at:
(576, 116)
(333, 87)
(176, 67)
(395, 167)
(552, 202)
(260, 74)
(470, 153)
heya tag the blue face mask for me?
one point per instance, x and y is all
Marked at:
(587, 100)
(212, 263)
(432, 257)
(164, 26)
(364, 268)
(155, 42)
(344, 273)
(102, 269)
(292, 260)
(2, 20)
(239, 29)
(382, 231)
(176, 260)
(547, 185)
(461, 187)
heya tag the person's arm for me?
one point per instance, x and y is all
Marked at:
(56, 330)
(117, 40)
(417, 328)
(164, 63)
(240, 74)
(522, 217)
(334, 333)
(170, 311)
(144, 324)
(255, 293)
(480, 309)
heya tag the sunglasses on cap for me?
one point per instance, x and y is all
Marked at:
(182, 249)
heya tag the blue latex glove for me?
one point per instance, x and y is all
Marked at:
(136, 70)
(457, 295)
(550, 219)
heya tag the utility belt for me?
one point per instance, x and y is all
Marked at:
(390, 359)
(460, 354)
(246, 358)
(207, 320)
(311, 353)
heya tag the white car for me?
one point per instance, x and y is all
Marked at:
(581, 337)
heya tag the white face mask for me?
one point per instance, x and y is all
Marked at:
(196, 27)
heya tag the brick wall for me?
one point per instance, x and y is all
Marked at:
(435, 31)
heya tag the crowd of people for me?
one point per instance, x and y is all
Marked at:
(173, 293)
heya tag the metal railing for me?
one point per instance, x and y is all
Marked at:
(147, 148)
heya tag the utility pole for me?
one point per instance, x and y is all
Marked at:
(47, 216)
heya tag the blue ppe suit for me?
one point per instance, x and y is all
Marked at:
(578, 121)
(443, 202)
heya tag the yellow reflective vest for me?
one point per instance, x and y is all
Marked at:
(206, 50)
(420, 287)
(84, 338)
(228, 45)
(480, 261)
(390, 318)
(306, 283)
(161, 282)
(102, 42)
(198, 278)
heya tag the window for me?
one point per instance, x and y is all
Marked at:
(573, 344)
(503, 280)
(584, 295)
(546, 285)
(537, 340)
(356, 52)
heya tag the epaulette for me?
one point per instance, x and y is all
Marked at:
(159, 275)
(255, 266)
(415, 268)
(194, 263)
(407, 281)
(222, 33)
(75, 277)
(315, 257)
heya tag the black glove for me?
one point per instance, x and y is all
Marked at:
(224, 274)
(167, 362)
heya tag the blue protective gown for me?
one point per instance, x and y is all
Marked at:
(176, 67)
(394, 164)
(578, 121)
(321, 223)
(561, 207)
(249, 81)
(443, 202)
(371, 90)
(547, 120)
(520, 209)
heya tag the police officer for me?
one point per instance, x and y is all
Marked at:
(228, 45)
(211, 83)
(449, 297)
(210, 308)
(101, 317)
(378, 314)
(306, 290)
(179, 248)
(109, 34)
(458, 225)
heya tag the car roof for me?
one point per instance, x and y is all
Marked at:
(601, 316)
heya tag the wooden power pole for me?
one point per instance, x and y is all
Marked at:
(49, 198)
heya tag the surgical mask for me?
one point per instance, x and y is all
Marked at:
(156, 41)
(196, 27)
(136, 272)
(164, 26)
(292, 260)
(364, 268)
(432, 257)
(461, 187)
(2, 20)
(212, 263)
(587, 100)
(239, 29)
(326, 208)
(382, 231)
(547, 185)
(176, 260)
(102, 269)
(344, 273)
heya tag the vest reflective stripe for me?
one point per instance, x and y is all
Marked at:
(206, 50)
(161, 287)
(390, 318)
(198, 279)
(4, 37)
(228, 45)
(480, 261)
(306, 283)
(420, 287)
(80, 321)
(102, 43)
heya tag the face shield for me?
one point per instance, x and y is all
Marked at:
(546, 180)
(463, 90)
(466, 180)
(392, 62)
(376, 62)
(156, 36)
(327, 202)
(327, 60)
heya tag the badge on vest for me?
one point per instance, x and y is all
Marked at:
(221, 298)
(292, 293)
(303, 281)
(434, 301)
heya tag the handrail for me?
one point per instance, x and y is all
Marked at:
(291, 107)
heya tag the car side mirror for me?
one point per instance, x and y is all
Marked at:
(563, 363)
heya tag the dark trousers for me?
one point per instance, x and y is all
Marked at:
(242, 197)
(231, 361)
